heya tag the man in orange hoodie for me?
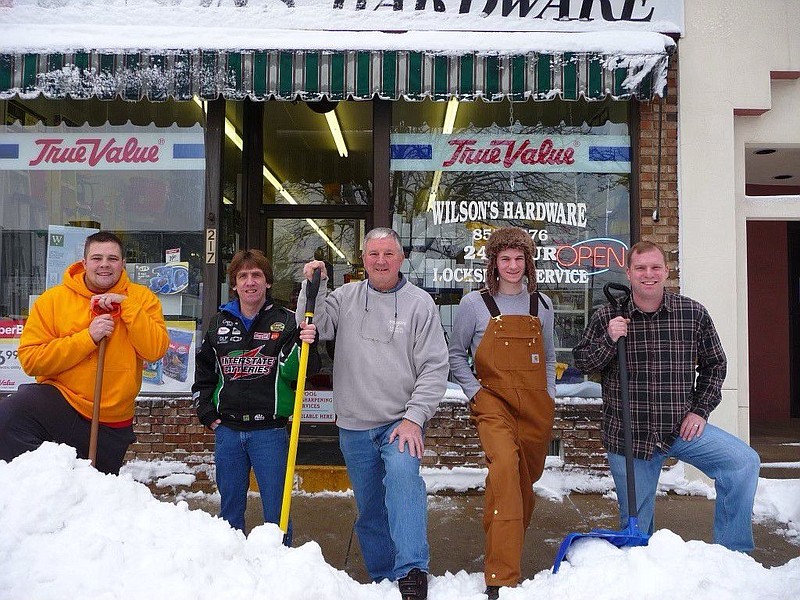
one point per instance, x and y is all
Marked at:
(59, 346)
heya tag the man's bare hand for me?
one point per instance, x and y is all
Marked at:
(692, 427)
(617, 328)
(101, 326)
(308, 270)
(308, 332)
(409, 433)
(106, 302)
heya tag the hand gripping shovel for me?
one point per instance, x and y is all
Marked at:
(630, 536)
(311, 297)
(98, 383)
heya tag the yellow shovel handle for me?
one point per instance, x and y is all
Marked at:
(295, 435)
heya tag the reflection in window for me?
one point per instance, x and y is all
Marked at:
(507, 164)
(318, 153)
(145, 183)
(293, 242)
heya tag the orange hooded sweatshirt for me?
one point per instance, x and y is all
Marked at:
(56, 348)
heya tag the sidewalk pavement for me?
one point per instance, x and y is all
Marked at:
(455, 530)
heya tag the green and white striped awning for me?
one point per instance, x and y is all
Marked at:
(312, 75)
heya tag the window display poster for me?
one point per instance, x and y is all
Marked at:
(64, 247)
(318, 407)
(162, 278)
(175, 371)
(11, 373)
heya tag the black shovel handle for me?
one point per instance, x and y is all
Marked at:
(312, 289)
(617, 302)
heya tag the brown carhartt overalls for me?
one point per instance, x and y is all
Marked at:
(514, 416)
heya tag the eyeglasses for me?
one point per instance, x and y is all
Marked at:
(371, 329)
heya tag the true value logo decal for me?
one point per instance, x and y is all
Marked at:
(93, 151)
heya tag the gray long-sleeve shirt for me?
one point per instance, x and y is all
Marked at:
(470, 324)
(391, 357)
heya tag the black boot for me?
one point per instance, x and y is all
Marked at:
(414, 586)
(492, 592)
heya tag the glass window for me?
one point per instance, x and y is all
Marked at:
(318, 153)
(136, 169)
(290, 244)
(560, 170)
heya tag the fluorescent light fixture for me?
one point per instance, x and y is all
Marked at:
(447, 129)
(437, 177)
(233, 135)
(450, 116)
(226, 200)
(336, 132)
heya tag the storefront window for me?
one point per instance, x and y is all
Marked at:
(68, 171)
(559, 170)
(293, 242)
(318, 153)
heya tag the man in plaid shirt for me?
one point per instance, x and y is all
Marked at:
(676, 369)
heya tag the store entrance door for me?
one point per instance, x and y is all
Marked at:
(773, 273)
(290, 243)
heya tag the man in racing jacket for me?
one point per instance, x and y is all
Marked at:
(243, 389)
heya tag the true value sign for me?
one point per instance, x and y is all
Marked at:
(489, 152)
(101, 151)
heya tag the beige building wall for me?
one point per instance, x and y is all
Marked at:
(726, 57)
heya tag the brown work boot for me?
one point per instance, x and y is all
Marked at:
(492, 592)
(414, 586)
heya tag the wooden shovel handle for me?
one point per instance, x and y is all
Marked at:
(98, 391)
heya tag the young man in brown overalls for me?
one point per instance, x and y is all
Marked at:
(508, 328)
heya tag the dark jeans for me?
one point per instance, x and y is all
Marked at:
(38, 413)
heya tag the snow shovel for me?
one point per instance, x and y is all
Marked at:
(98, 383)
(630, 536)
(311, 297)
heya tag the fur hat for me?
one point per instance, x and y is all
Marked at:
(503, 239)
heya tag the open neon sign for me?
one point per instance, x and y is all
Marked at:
(595, 256)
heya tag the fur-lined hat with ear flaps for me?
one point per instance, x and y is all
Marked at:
(503, 239)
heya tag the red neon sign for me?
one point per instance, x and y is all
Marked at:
(596, 255)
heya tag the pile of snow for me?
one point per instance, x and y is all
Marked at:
(779, 500)
(69, 531)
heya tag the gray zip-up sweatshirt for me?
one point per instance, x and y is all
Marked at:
(391, 357)
(470, 325)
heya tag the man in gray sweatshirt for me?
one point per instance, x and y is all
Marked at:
(389, 374)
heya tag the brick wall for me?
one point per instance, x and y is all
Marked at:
(664, 231)
(167, 429)
(452, 440)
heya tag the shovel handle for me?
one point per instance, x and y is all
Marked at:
(624, 392)
(615, 300)
(98, 392)
(312, 288)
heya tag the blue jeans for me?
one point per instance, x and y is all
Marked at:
(235, 452)
(732, 464)
(392, 523)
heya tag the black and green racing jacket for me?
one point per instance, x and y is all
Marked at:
(246, 377)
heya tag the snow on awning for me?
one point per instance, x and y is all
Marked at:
(336, 75)
(309, 49)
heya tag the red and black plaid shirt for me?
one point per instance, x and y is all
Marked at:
(676, 365)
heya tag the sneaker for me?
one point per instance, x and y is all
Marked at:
(414, 586)
(492, 592)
